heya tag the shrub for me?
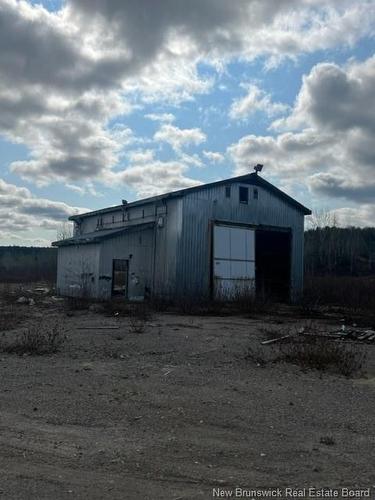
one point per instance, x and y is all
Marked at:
(115, 307)
(77, 303)
(10, 293)
(322, 354)
(36, 340)
(139, 314)
(350, 292)
(159, 304)
(257, 355)
(327, 440)
(310, 352)
(10, 318)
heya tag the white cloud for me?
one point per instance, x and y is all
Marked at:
(179, 138)
(141, 156)
(255, 100)
(21, 213)
(330, 147)
(362, 216)
(214, 156)
(155, 178)
(161, 117)
(66, 75)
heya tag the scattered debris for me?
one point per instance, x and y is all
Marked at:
(356, 334)
(25, 300)
(42, 290)
(277, 339)
(344, 333)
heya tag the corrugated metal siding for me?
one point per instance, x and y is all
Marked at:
(136, 215)
(137, 248)
(201, 207)
(77, 270)
(167, 240)
(175, 257)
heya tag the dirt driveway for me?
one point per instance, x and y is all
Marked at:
(175, 411)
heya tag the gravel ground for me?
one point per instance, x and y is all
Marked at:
(175, 411)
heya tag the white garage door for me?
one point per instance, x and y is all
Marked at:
(234, 261)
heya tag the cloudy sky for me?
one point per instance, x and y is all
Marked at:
(108, 99)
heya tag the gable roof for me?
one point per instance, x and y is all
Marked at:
(253, 179)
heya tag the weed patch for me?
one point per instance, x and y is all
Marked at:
(37, 339)
(323, 354)
(311, 352)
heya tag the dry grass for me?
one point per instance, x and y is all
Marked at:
(320, 353)
(354, 294)
(311, 352)
(11, 316)
(37, 339)
(139, 314)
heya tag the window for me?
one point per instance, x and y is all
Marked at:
(244, 195)
(255, 193)
(113, 219)
(227, 191)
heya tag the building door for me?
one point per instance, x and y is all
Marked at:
(273, 256)
(233, 261)
(120, 273)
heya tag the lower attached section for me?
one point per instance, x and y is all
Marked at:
(236, 260)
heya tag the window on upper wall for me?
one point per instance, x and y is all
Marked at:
(113, 219)
(227, 191)
(255, 193)
(244, 195)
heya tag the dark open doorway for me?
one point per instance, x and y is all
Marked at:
(273, 259)
(120, 273)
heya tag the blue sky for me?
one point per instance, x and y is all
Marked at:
(105, 100)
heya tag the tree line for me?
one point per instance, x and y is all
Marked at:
(340, 251)
(27, 264)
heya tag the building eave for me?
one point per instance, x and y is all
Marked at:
(100, 235)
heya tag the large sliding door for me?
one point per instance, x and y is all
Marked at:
(233, 261)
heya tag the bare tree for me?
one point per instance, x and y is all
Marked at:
(321, 218)
(64, 231)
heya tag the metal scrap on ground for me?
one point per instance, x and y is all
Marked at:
(354, 333)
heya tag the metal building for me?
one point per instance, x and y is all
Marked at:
(219, 239)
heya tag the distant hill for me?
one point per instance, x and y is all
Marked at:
(22, 264)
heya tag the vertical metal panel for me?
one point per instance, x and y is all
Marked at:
(177, 258)
(137, 248)
(167, 241)
(77, 270)
(201, 207)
